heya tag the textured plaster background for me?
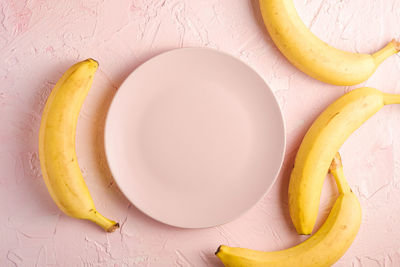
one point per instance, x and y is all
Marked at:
(40, 39)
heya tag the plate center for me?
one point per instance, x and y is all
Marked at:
(194, 137)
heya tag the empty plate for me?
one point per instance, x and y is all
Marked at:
(194, 137)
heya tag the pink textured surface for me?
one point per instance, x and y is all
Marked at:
(39, 39)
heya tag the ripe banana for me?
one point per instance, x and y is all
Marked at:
(313, 56)
(58, 160)
(324, 248)
(324, 138)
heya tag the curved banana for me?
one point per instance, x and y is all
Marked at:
(326, 135)
(322, 249)
(313, 56)
(58, 160)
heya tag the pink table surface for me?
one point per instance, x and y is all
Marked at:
(39, 39)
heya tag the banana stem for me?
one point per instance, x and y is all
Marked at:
(341, 182)
(107, 224)
(391, 99)
(336, 169)
(390, 49)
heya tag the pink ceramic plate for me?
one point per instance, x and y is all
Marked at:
(194, 138)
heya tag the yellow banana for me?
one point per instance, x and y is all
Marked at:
(324, 138)
(322, 249)
(58, 160)
(313, 56)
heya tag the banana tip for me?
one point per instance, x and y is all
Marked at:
(113, 228)
(396, 44)
(336, 162)
(93, 60)
(218, 249)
